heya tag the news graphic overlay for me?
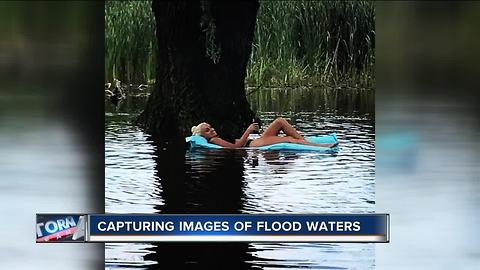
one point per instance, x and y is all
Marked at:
(60, 228)
(364, 228)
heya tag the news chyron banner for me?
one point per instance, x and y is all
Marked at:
(340, 228)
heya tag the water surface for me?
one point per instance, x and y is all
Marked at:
(143, 179)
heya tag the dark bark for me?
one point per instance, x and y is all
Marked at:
(190, 86)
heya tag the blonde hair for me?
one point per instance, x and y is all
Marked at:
(197, 130)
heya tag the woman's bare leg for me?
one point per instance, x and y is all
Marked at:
(287, 139)
(278, 125)
(303, 141)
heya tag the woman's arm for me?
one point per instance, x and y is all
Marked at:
(238, 143)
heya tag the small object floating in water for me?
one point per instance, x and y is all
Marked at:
(197, 141)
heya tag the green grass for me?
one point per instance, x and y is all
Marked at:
(313, 43)
(130, 42)
(297, 43)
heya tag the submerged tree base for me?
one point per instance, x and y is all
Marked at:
(194, 84)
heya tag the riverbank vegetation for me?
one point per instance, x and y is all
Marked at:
(297, 43)
(130, 43)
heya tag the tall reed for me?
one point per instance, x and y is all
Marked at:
(296, 43)
(314, 42)
(130, 42)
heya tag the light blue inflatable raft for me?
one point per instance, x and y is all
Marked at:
(197, 141)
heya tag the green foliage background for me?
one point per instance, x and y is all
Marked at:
(297, 43)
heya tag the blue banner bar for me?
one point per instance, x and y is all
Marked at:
(258, 227)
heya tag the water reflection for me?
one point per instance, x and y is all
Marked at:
(308, 99)
(202, 182)
(278, 100)
(144, 177)
(205, 181)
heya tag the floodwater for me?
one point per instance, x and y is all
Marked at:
(143, 179)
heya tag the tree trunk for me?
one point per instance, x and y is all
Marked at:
(203, 51)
